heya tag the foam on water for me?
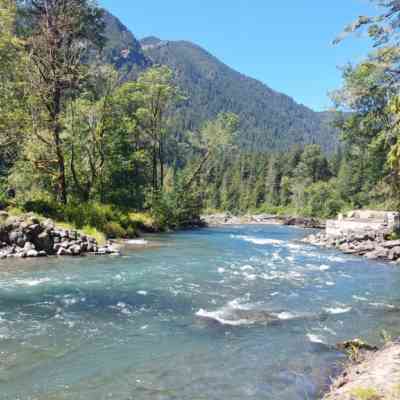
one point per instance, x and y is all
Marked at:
(284, 316)
(258, 241)
(137, 242)
(359, 298)
(383, 305)
(338, 310)
(32, 282)
(316, 338)
(324, 268)
(221, 317)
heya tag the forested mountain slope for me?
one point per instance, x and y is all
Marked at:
(269, 120)
(122, 49)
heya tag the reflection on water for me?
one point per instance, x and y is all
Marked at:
(231, 313)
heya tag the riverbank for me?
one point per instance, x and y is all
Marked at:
(373, 375)
(27, 236)
(373, 245)
(221, 219)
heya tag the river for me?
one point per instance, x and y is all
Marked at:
(240, 312)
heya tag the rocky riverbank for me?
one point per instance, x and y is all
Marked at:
(371, 375)
(27, 237)
(372, 245)
(262, 219)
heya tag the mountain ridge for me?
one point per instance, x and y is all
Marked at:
(270, 120)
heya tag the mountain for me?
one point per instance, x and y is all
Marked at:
(122, 49)
(269, 119)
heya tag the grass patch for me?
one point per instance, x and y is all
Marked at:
(365, 394)
(15, 211)
(94, 233)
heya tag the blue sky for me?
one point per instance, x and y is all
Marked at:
(284, 43)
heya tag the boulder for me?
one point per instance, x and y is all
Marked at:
(378, 253)
(389, 244)
(45, 242)
(76, 250)
(29, 246)
(394, 253)
(15, 236)
(64, 252)
(32, 253)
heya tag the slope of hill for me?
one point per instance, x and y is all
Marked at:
(122, 49)
(269, 120)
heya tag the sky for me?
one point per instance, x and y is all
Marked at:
(287, 44)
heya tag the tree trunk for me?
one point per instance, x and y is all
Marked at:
(197, 171)
(155, 178)
(62, 186)
(161, 158)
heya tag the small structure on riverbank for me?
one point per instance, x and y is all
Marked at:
(361, 221)
(365, 233)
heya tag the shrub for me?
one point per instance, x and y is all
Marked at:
(177, 208)
(114, 230)
(322, 200)
(88, 216)
(44, 207)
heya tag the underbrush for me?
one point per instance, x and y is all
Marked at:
(93, 219)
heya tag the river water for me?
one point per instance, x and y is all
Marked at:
(246, 312)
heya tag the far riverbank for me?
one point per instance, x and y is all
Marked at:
(219, 219)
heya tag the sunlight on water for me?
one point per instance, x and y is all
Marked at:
(231, 313)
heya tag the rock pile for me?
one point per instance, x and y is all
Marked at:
(309, 223)
(27, 236)
(372, 245)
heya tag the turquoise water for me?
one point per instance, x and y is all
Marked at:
(243, 312)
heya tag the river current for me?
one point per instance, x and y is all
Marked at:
(241, 312)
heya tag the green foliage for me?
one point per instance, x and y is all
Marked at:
(114, 230)
(322, 200)
(178, 207)
(104, 218)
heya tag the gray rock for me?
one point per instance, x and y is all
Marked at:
(21, 241)
(76, 250)
(44, 242)
(29, 246)
(32, 253)
(48, 225)
(14, 236)
(394, 253)
(389, 244)
(64, 252)
(102, 251)
(378, 253)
